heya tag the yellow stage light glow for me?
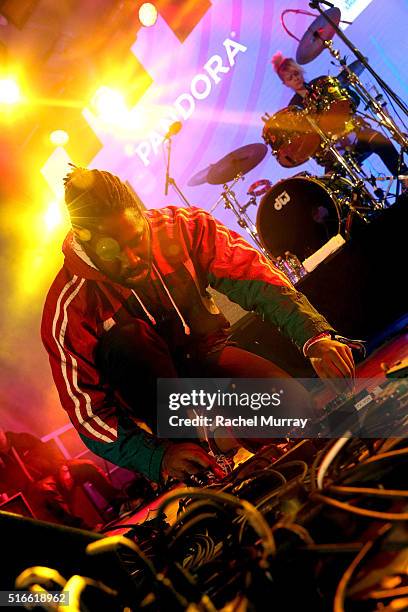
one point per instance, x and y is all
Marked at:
(109, 104)
(59, 138)
(147, 14)
(53, 216)
(40, 231)
(9, 91)
(129, 150)
(55, 169)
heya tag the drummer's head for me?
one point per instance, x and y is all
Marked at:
(289, 72)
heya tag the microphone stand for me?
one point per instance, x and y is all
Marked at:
(170, 180)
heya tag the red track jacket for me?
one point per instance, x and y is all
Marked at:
(191, 250)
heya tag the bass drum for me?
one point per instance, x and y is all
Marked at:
(299, 215)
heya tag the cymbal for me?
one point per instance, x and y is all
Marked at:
(199, 178)
(357, 67)
(241, 160)
(312, 42)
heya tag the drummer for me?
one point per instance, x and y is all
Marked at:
(366, 140)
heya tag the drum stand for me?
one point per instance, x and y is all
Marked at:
(383, 118)
(231, 203)
(358, 181)
(399, 136)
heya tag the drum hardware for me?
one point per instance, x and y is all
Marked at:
(371, 118)
(358, 182)
(319, 36)
(199, 178)
(349, 157)
(301, 213)
(251, 202)
(371, 103)
(259, 187)
(221, 198)
(238, 162)
(232, 167)
(386, 191)
(231, 203)
(356, 67)
(318, 33)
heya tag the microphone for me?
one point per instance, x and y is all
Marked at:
(173, 129)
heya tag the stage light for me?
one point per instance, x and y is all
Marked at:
(59, 138)
(129, 150)
(109, 104)
(9, 91)
(147, 14)
(53, 216)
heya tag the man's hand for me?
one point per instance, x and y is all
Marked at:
(181, 460)
(332, 359)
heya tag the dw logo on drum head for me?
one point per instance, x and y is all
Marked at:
(282, 199)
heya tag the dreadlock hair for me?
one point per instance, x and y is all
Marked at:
(91, 195)
(281, 64)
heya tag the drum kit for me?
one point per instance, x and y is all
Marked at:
(320, 207)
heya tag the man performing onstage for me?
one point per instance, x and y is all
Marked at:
(362, 141)
(130, 305)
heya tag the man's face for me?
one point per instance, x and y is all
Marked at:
(293, 78)
(120, 247)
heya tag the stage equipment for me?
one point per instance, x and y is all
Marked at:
(319, 130)
(292, 139)
(325, 128)
(199, 178)
(148, 14)
(230, 201)
(301, 213)
(172, 131)
(319, 36)
(237, 163)
(240, 161)
(294, 514)
(232, 168)
(356, 67)
(346, 164)
(331, 104)
(259, 187)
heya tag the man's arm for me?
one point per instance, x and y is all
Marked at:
(248, 278)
